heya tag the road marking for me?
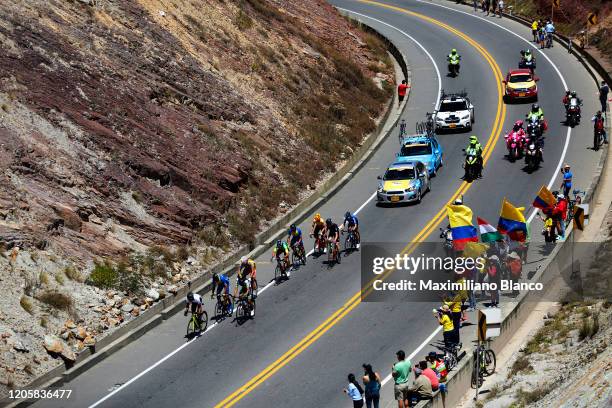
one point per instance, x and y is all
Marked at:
(356, 299)
(569, 129)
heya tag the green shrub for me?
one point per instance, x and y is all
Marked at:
(520, 365)
(129, 279)
(103, 276)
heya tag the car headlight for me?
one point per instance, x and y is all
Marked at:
(409, 190)
(466, 116)
(533, 88)
(439, 120)
(380, 190)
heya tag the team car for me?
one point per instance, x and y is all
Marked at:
(520, 84)
(403, 182)
(455, 111)
(425, 149)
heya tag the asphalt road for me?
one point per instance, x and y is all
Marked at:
(208, 370)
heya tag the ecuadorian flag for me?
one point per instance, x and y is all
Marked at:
(512, 222)
(460, 219)
(545, 199)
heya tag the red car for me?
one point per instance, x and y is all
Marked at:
(520, 84)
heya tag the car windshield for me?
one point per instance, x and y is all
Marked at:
(453, 106)
(399, 174)
(520, 78)
(415, 150)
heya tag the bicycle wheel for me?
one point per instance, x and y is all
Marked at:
(277, 274)
(490, 362)
(230, 307)
(204, 322)
(474, 381)
(450, 360)
(219, 312)
(191, 327)
(347, 244)
(240, 313)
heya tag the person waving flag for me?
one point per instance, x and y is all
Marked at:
(488, 233)
(545, 199)
(512, 222)
(462, 230)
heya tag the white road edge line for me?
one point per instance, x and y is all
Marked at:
(361, 207)
(569, 129)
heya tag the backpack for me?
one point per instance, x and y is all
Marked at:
(599, 124)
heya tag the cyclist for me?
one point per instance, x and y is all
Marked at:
(333, 234)
(598, 125)
(220, 286)
(475, 148)
(245, 293)
(351, 223)
(281, 249)
(294, 238)
(317, 229)
(550, 30)
(566, 183)
(247, 267)
(197, 305)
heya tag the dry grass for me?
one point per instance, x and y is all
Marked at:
(26, 304)
(531, 397)
(56, 300)
(521, 365)
(73, 274)
(43, 278)
(59, 278)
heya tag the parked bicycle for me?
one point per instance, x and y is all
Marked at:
(402, 130)
(572, 203)
(484, 365)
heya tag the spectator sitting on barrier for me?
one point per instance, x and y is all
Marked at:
(420, 389)
(430, 374)
(438, 365)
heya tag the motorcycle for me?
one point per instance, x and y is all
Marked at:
(514, 143)
(597, 138)
(529, 64)
(535, 126)
(533, 156)
(453, 66)
(471, 167)
(572, 113)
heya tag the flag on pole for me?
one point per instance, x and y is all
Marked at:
(462, 230)
(488, 233)
(512, 222)
(545, 199)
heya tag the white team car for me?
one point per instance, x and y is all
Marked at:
(455, 111)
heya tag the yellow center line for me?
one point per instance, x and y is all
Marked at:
(355, 300)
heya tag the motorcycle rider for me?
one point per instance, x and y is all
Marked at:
(453, 59)
(566, 99)
(475, 148)
(527, 57)
(518, 132)
(538, 114)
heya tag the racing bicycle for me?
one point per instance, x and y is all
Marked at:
(224, 306)
(350, 242)
(280, 272)
(333, 253)
(484, 365)
(571, 205)
(244, 308)
(197, 325)
(298, 254)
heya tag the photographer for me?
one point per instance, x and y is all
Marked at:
(448, 329)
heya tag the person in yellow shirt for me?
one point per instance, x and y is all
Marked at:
(534, 30)
(443, 316)
(454, 304)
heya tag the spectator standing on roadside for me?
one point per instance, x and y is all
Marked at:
(401, 91)
(454, 303)
(560, 214)
(400, 372)
(542, 37)
(487, 5)
(534, 31)
(420, 389)
(371, 383)
(566, 183)
(354, 391)
(493, 276)
(603, 96)
(599, 125)
(430, 374)
(493, 7)
(475, 5)
(500, 7)
(448, 330)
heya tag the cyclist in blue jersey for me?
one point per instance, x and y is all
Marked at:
(351, 223)
(294, 236)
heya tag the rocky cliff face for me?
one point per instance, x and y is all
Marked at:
(127, 125)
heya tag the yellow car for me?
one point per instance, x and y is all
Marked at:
(403, 182)
(520, 84)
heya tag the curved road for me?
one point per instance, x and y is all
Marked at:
(311, 331)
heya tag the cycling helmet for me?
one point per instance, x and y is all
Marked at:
(328, 222)
(523, 52)
(190, 296)
(347, 215)
(279, 243)
(317, 217)
(568, 92)
(244, 260)
(566, 166)
(598, 114)
(292, 227)
(215, 277)
(560, 196)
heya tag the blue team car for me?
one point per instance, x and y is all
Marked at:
(424, 149)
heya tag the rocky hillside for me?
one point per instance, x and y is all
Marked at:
(140, 140)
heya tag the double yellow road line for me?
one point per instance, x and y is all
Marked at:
(355, 300)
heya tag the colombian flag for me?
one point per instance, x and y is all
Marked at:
(544, 199)
(460, 219)
(512, 222)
